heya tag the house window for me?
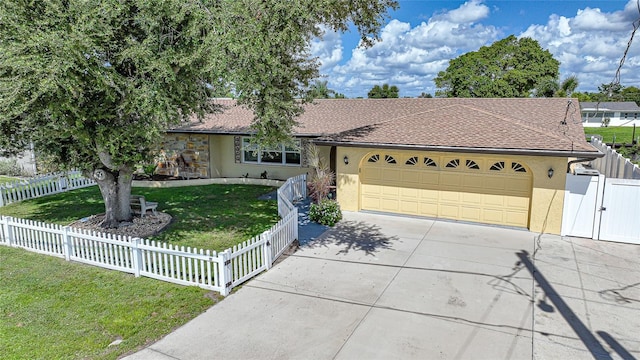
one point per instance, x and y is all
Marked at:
(374, 158)
(412, 160)
(430, 162)
(497, 166)
(389, 159)
(279, 155)
(472, 165)
(453, 163)
(518, 167)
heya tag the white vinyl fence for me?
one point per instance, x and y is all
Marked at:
(187, 266)
(612, 164)
(43, 185)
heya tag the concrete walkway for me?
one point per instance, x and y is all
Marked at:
(383, 287)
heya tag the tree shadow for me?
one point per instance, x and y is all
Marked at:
(355, 236)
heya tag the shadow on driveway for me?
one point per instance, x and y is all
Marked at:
(355, 236)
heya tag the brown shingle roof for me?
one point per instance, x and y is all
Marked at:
(521, 124)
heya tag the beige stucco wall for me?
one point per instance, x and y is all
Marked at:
(223, 163)
(547, 198)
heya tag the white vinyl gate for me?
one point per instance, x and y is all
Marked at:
(603, 209)
(620, 212)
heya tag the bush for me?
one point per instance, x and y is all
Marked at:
(10, 167)
(327, 212)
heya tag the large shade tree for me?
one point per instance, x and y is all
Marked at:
(510, 67)
(95, 83)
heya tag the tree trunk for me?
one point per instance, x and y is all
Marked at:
(115, 187)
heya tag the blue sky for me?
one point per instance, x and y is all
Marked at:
(419, 39)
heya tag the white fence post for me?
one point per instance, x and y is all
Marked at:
(68, 244)
(7, 230)
(266, 248)
(2, 190)
(226, 278)
(136, 256)
(295, 225)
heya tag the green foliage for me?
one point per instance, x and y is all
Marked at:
(631, 93)
(55, 309)
(510, 67)
(327, 212)
(568, 86)
(10, 167)
(425, 95)
(383, 92)
(320, 90)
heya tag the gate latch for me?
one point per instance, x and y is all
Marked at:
(602, 208)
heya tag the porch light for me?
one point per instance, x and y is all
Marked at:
(346, 160)
(550, 173)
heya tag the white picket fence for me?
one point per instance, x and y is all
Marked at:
(217, 271)
(612, 164)
(42, 185)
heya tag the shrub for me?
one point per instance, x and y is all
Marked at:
(327, 212)
(321, 179)
(10, 167)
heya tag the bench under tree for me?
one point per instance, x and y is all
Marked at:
(140, 206)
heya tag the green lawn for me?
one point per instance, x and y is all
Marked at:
(622, 134)
(53, 309)
(6, 179)
(213, 217)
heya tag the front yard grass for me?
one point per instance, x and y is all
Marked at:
(213, 217)
(53, 309)
(6, 179)
(623, 134)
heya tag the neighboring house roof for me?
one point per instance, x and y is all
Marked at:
(549, 126)
(610, 106)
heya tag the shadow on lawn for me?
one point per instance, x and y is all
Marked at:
(355, 236)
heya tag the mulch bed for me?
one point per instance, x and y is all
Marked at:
(142, 227)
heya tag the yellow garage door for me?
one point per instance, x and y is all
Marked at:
(460, 187)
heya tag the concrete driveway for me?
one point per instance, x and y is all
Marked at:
(381, 286)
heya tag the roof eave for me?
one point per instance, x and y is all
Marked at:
(532, 152)
(232, 132)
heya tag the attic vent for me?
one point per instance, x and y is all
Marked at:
(374, 158)
(518, 167)
(430, 162)
(389, 159)
(453, 163)
(472, 165)
(499, 166)
(412, 161)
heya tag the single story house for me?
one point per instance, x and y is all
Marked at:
(625, 113)
(495, 161)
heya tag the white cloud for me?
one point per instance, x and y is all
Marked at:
(410, 57)
(591, 44)
(328, 49)
(468, 12)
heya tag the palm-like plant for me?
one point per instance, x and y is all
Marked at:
(322, 178)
